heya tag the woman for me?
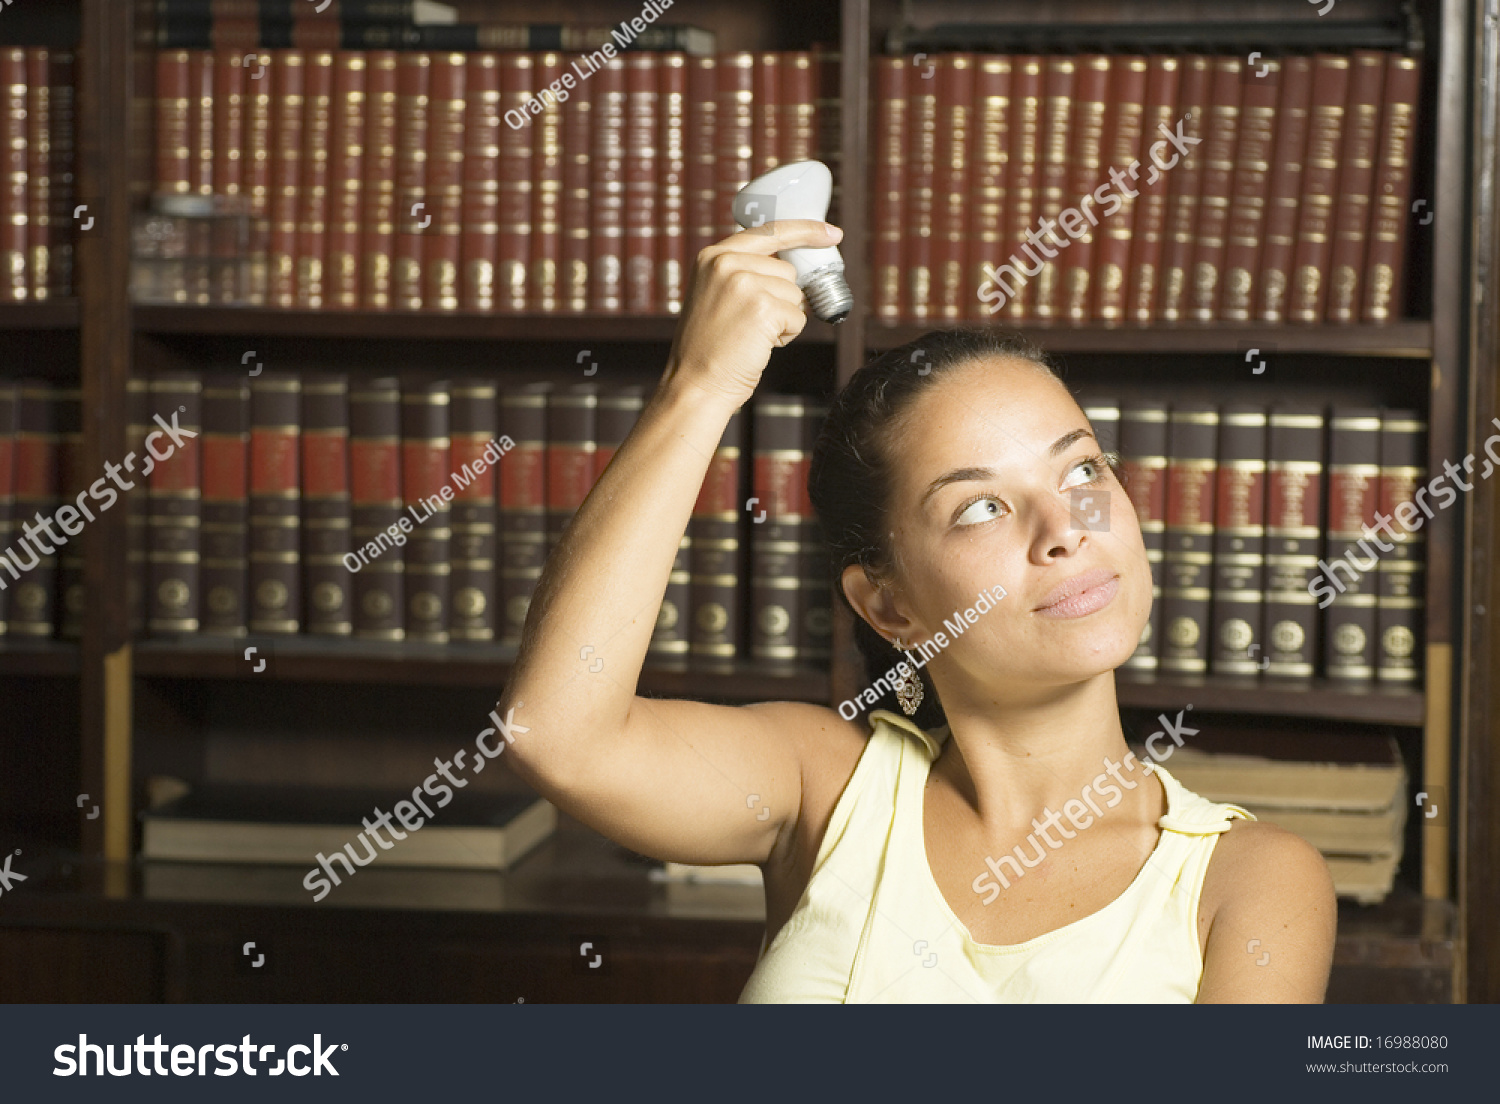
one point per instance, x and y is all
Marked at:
(902, 863)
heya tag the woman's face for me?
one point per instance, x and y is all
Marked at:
(998, 480)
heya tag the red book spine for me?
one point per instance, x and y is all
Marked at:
(1252, 184)
(275, 584)
(1284, 195)
(288, 91)
(229, 123)
(607, 190)
(1060, 86)
(702, 156)
(577, 140)
(990, 126)
(516, 153)
(326, 509)
(379, 198)
(641, 161)
(62, 73)
(1123, 148)
(413, 214)
(1086, 153)
(917, 204)
(1186, 174)
(312, 200)
(201, 121)
(1149, 231)
(174, 151)
(1022, 190)
(1320, 174)
(474, 454)
(257, 155)
(955, 100)
(346, 146)
(797, 119)
(376, 509)
(1351, 212)
(1216, 188)
(485, 138)
(442, 243)
(547, 187)
(39, 161)
(671, 241)
(1384, 290)
(765, 91)
(735, 127)
(888, 187)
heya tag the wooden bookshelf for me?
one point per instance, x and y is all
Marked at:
(1438, 928)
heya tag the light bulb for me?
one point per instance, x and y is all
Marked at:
(800, 190)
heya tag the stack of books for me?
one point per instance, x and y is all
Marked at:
(37, 223)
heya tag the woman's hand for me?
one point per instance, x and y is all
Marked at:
(743, 302)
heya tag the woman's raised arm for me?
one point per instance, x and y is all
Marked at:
(672, 779)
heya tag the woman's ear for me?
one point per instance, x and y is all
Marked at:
(877, 604)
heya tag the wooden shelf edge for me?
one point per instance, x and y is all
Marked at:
(38, 658)
(49, 314)
(1373, 704)
(1412, 338)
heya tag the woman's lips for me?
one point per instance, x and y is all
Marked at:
(1085, 594)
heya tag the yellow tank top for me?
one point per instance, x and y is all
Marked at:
(873, 927)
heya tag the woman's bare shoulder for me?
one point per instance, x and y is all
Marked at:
(828, 748)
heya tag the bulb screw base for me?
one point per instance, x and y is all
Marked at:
(828, 294)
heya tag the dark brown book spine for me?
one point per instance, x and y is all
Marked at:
(442, 239)
(778, 529)
(950, 214)
(1352, 202)
(765, 96)
(1294, 537)
(224, 565)
(889, 187)
(1023, 190)
(1188, 565)
(547, 191)
(346, 150)
(174, 151)
(990, 127)
(326, 507)
(1401, 598)
(918, 199)
(607, 190)
(1284, 195)
(379, 199)
(1320, 176)
(475, 452)
(523, 503)
(671, 257)
(137, 505)
(486, 142)
(1122, 152)
(1152, 205)
(572, 425)
(33, 551)
(379, 537)
(1386, 263)
(717, 555)
(1239, 543)
(275, 503)
(577, 141)
(815, 629)
(312, 197)
(72, 514)
(13, 242)
(176, 490)
(619, 409)
(1085, 168)
(1194, 91)
(1216, 188)
(8, 530)
(413, 207)
(427, 493)
(289, 85)
(1058, 109)
(702, 156)
(1143, 449)
(1352, 563)
(639, 169)
(1247, 197)
(39, 158)
(62, 75)
(259, 127)
(735, 126)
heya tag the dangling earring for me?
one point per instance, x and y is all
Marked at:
(908, 690)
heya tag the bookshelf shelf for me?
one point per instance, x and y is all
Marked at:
(1398, 339)
(420, 325)
(53, 314)
(315, 659)
(30, 658)
(1319, 698)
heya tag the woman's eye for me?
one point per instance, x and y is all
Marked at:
(981, 509)
(1091, 469)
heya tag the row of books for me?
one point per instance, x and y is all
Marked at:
(1133, 189)
(36, 173)
(1252, 518)
(492, 181)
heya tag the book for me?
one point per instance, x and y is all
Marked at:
(1352, 562)
(1308, 292)
(474, 551)
(1023, 186)
(607, 190)
(950, 186)
(1249, 189)
(671, 261)
(1401, 589)
(275, 582)
(327, 510)
(577, 197)
(1284, 195)
(490, 150)
(442, 240)
(71, 593)
(263, 824)
(734, 123)
(33, 598)
(1129, 75)
(378, 201)
(1195, 88)
(427, 494)
(779, 527)
(572, 440)
(1239, 542)
(718, 554)
(225, 455)
(1187, 566)
(523, 502)
(413, 215)
(346, 181)
(639, 171)
(312, 187)
(377, 538)
(889, 187)
(176, 490)
(1294, 535)
(378, 887)
(701, 152)
(1059, 84)
(546, 221)
(1385, 288)
(288, 76)
(1143, 451)
(1085, 167)
(1152, 205)
(1215, 188)
(1351, 209)
(989, 125)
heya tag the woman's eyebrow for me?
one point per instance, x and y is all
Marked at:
(974, 475)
